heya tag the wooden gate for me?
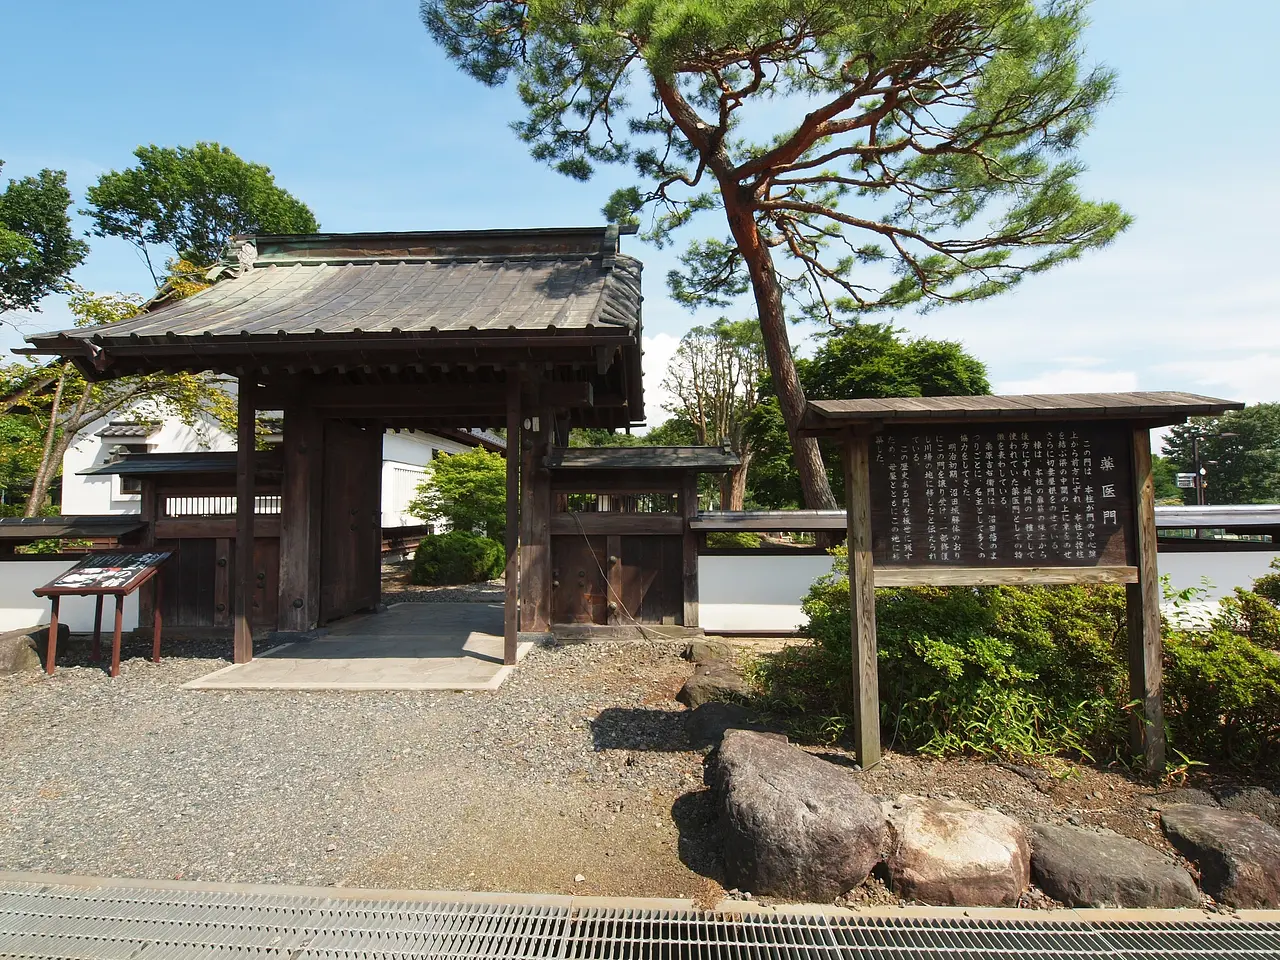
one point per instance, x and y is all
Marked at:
(351, 520)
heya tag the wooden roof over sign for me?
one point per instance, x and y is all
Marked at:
(424, 308)
(823, 416)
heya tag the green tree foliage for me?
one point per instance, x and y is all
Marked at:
(901, 153)
(1240, 451)
(1165, 478)
(190, 201)
(37, 246)
(857, 361)
(466, 490)
(457, 557)
(66, 404)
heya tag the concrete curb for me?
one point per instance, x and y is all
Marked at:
(1066, 915)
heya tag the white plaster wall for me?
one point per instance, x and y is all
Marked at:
(750, 594)
(95, 495)
(1224, 571)
(20, 608)
(763, 593)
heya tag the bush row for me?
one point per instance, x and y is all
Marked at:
(1031, 671)
(457, 557)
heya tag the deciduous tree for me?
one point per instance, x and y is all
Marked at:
(466, 490)
(934, 158)
(189, 201)
(37, 247)
(68, 404)
(715, 378)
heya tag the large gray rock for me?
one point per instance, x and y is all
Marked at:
(1259, 801)
(711, 682)
(793, 826)
(950, 853)
(1084, 868)
(1238, 855)
(21, 651)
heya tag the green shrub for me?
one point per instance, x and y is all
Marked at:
(733, 540)
(1222, 698)
(1030, 672)
(990, 670)
(1268, 585)
(457, 557)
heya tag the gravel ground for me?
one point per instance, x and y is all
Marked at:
(396, 588)
(573, 768)
(578, 766)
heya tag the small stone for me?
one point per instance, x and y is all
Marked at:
(331, 847)
(579, 878)
(706, 650)
(719, 682)
(1238, 855)
(1165, 798)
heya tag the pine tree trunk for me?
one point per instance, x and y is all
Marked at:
(777, 345)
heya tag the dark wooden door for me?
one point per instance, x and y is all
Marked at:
(653, 578)
(199, 582)
(579, 591)
(351, 520)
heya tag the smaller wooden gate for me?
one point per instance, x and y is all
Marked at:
(622, 549)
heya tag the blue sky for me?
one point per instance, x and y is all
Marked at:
(359, 114)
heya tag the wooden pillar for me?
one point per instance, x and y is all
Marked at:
(51, 645)
(862, 599)
(1146, 647)
(299, 604)
(689, 511)
(148, 513)
(511, 605)
(535, 527)
(246, 412)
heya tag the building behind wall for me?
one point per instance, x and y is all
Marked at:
(406, 456)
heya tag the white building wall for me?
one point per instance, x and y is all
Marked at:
(96, 495)
(405, 455)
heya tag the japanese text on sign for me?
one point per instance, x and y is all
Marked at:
(1001, 495)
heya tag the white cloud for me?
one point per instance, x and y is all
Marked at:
(659, 348)
(1073, 380)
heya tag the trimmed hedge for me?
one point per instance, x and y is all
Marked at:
(457, 557)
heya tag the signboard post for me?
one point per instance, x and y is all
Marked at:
(100, 575)
(968, 491)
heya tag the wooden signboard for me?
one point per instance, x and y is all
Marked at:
(100, 575)
(969, 491)
(110, 573)
(1002, 495)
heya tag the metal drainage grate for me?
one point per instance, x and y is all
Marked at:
(128, 923)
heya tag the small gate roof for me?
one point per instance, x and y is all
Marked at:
(702, 459)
